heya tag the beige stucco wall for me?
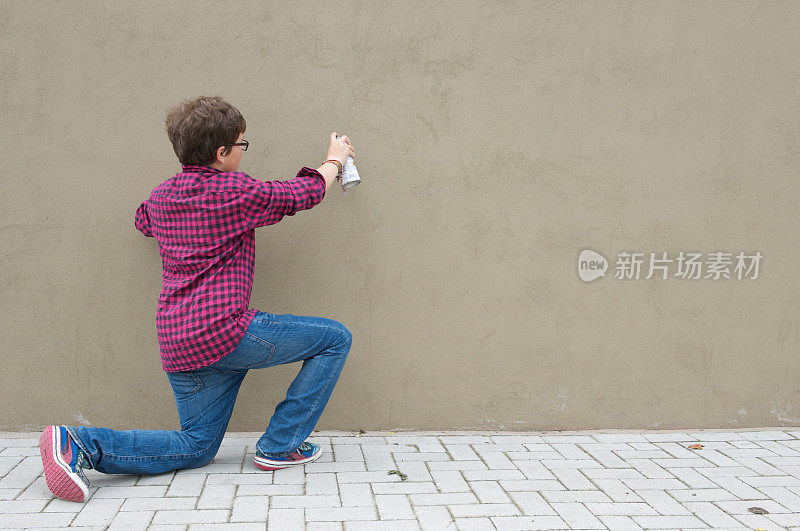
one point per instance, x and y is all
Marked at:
(496, 141)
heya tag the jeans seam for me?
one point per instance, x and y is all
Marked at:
(314, 406)
(177, 456)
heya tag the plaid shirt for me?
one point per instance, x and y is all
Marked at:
(204, 221)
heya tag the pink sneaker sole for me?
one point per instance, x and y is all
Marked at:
(60, 479)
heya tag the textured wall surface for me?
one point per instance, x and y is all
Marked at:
(496, 141)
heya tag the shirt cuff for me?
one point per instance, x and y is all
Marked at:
(305, 171)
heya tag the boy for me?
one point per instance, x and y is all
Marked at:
(204, 221)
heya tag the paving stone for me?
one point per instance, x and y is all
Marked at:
(575, 496)
(669, 522)
(360, 494)
(182, 485)
(758, 521)
(771, 481)
(58, 505)
(498, 461)
(531, 503)
(787, 520)
(650, 484)
(444, 498)
(489, 492)
(474, 524)
(649, 469)
(577, 516)
(374, 462)
(131, 521)
(620, 508)
(227, 526)
(712, 515)
(484, 509)
(98, 512)
(741, 507)
(378, 525)
(158, 504)
(486, 480)
(700, 495)
(573, 479)
(324, 526)
(189, 517)
(294, 475)
(286, 520)
(662, 502)
(738, 488)
(22, 506)
(269, 490)
(347, 452)
(251, 508)
(765, 435)
(321, 483)
(449, 481)
(530, 484)
(692, 478)
(523, 523)
(10, 494)
(617, 490)
(760, 466)
(433, 517)
(404, 487)
(155, 491)
(20, 477)
(217, 497)
(619, 523)
(716, 436)
(321, 500)
(394, 507)
(341, 514)
(155, 479)
(570, 463)
(536, 470)
(784, 496)
(35, 520)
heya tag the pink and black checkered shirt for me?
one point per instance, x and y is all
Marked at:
(204, 221)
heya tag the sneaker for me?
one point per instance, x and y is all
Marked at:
(305, 453)
(63, 462)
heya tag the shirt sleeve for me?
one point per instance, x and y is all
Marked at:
(267, 202)
(142, 220)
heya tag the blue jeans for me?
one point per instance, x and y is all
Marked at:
(205, 399)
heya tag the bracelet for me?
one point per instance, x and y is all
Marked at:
(338, 165)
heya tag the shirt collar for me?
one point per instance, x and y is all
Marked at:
(198, 168)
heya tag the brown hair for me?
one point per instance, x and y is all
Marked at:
(197, 128)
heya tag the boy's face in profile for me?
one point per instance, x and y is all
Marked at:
(231, 160)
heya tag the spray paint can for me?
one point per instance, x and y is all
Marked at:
(350, 177)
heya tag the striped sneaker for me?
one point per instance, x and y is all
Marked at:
(305, 453)
(63, 463)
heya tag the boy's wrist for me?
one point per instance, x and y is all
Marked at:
(338, 165)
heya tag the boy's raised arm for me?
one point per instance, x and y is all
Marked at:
(267, 202)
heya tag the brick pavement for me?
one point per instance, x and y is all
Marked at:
(454, 480)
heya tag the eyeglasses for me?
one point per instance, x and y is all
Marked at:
(243, 143)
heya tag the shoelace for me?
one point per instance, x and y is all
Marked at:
(304, 447)
(79, 466)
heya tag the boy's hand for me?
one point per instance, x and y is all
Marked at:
(340, 149)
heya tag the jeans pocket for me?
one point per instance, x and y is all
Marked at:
(184, 384)
(268, 347)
